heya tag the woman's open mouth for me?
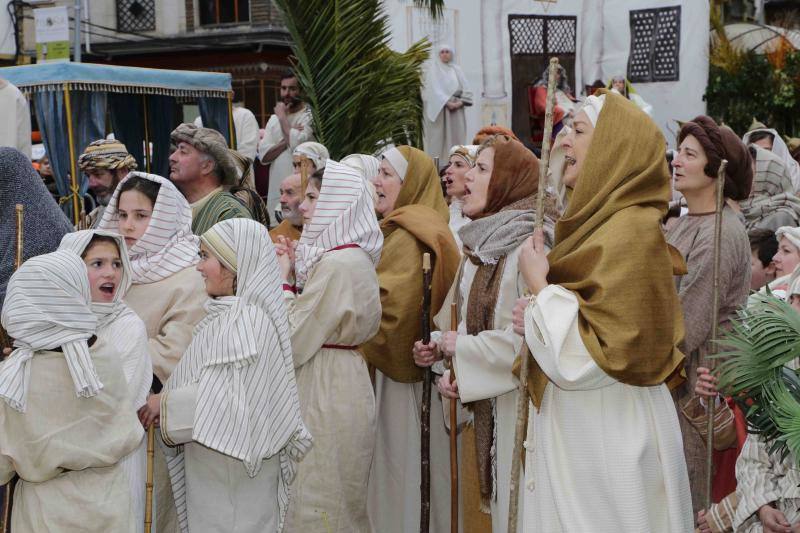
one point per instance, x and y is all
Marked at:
(107, 288)
(570, 160)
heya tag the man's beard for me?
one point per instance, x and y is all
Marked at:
(292, 102)
(292, 215)
(103, 197)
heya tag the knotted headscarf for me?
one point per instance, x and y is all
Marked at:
(48, 307)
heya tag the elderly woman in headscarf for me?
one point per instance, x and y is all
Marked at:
(769, 139)
(167, 292)
(462, 160)
(445, 93)
(231, 404)
(702, 145)
(772, 202)
(66, 416)
(500, 201)
(414, 221)
(603, 450)
(43, 222)
(109, 271)
(334, 309)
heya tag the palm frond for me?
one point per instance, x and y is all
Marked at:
(435, 7)
(762, 340)
(362, 93)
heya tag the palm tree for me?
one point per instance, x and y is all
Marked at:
(362, 93)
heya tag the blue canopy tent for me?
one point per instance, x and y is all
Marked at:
(72, 101)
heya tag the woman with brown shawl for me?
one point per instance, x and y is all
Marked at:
(603, 451)
(414, 221)
(500, 201)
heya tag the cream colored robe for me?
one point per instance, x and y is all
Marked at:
(601, 456)
(68, 450)
(483, 365)
(170, 309)
(763, 478)
(340, 305)
(16, 130)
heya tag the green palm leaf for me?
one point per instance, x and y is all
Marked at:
(362, 93)
(436, 7)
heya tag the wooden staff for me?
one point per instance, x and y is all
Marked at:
(453, 434)
(425, 418)
(714, 326)
(524, 352)
(5, 525)
(148, 501)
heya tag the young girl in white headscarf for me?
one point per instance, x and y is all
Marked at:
(231, 404)
(336, 308)
(167, 292)
(106, 259)
(445, 93)
(66, 416)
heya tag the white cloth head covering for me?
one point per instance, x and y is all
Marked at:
(47, 307)
(780, 149)
(592, 107)
(316, 152)
(398, 162)
(467, 152)
(241, 358)
(790, 232)
(344, 214)
(77, 242)
(367, 165)
(168, 245)
(441, 82)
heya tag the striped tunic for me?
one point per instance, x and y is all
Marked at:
(221, 206)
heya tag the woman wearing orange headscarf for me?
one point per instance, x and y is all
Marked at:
(604, 450)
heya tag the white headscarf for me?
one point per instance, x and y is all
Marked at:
(467, 152)
(242, 359)
(47, 307)
(344, 215)
(77, 242)
(367, 165)
(780, 149)
(592, 107)
(442, 81)
(168, 245)
(790, 232)
(398, 161)
(316, 152)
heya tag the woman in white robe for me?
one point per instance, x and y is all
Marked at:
(604, 450)
(66, 416)
(334, 309)
(126, 332)
(500, 201)
(445, 94)
(230, 407)
(167, 292)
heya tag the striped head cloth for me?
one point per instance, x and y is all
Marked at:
(344, 214)
(168, 245)
(316, 152)
(106, 154)
(248, 407)
(77, 242)
(48, 306)
(467, 152)
(366, 165)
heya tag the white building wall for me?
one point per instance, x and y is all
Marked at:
(478, 30)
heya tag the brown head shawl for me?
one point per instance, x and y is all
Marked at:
(420, 210)
(611, 253)
(499, 229)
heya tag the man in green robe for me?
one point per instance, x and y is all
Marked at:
(203, 169)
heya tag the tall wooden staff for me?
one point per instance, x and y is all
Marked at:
(5, 525)
(425, 417)
(148, 502)
(524, 353)
(453, 434)
(714, 325)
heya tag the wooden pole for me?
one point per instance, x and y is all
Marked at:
(720, 204)
(147, 158)
(148, 502)
(73, 168)
(453, 435)
(425, 416)
(231, 132)
(524, 353)
(19, 212)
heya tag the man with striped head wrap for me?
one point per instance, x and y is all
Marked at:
(105, 162)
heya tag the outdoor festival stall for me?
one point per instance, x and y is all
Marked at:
(72, 102)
